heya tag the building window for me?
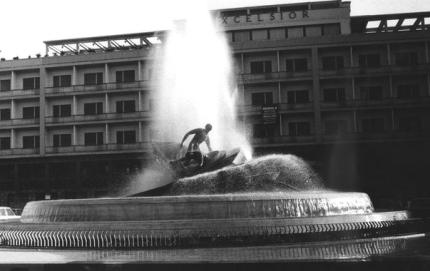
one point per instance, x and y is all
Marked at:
(5, 85)
(62, 140)
(409, 124)
(408, 91)
(261, 130)
(332, 62)
(62, 81)
(93, 108)
(260, 34)
(5, 114)
(30, 142)
(125, 106)
(125, 76)
(331, 29)
(63, 110)
(371, 93)
(93, 78)
(410, 58)
(262, 98)
(297, 65)
(372, 125)
(313, 31)
(125, 137)
(241, 36)
(369, 61)
(299, 128)
(261, 67)
(31, 112)
(295, 32)
(335, 127)
(334, 94)
(31, 83)
(93, 138)
(298, 96)
(4, 143)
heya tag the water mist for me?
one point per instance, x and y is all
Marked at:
(196, 84)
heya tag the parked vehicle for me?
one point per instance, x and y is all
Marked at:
(7, 213)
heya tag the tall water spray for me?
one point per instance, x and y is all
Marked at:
(196, 84)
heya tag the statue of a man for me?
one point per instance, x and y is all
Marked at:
(200, 135)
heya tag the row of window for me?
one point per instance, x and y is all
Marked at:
(65, 140)
(338, 127)
(65, 110)
(66, 80)
(285, 33)
(334, 62)
(336, 94)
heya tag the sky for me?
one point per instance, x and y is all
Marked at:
(26, 24)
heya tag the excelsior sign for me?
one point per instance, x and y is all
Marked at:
(274, 16)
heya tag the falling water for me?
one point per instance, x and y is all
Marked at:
(196, 84)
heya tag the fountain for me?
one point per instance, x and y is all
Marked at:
(274, 203)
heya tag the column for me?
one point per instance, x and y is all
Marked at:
(12, 109)
(12, 139)
(107, 79)
(107, 107)
(13, 80)
(279, 61)
(74, 106)
(317, 102)
(42, 104)
(352, 57)
(74, 76)
(279, 92)
(392, 119)
(139, 134)
(139, 101)
(139, 71)
(107, 134)
(353, 87)
(75, 136)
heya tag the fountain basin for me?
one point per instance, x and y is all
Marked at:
(203, 221)
(225, 206)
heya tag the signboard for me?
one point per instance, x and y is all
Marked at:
(270, 115)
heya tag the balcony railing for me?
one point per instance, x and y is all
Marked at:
(281, 75)
(19, 151)
(100, 117)
(395, 69)
(101, 87)
(139, 147)
(20, 122)
(385, 102)
(256, 109)
(19, 93)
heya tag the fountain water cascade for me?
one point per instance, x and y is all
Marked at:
(226, 215)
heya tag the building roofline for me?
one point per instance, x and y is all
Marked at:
(391, 16)
(107, 37)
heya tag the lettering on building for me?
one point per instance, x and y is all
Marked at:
(274, 16)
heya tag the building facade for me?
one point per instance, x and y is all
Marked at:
(349, 94)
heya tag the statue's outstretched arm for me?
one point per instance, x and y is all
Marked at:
(187, 134)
